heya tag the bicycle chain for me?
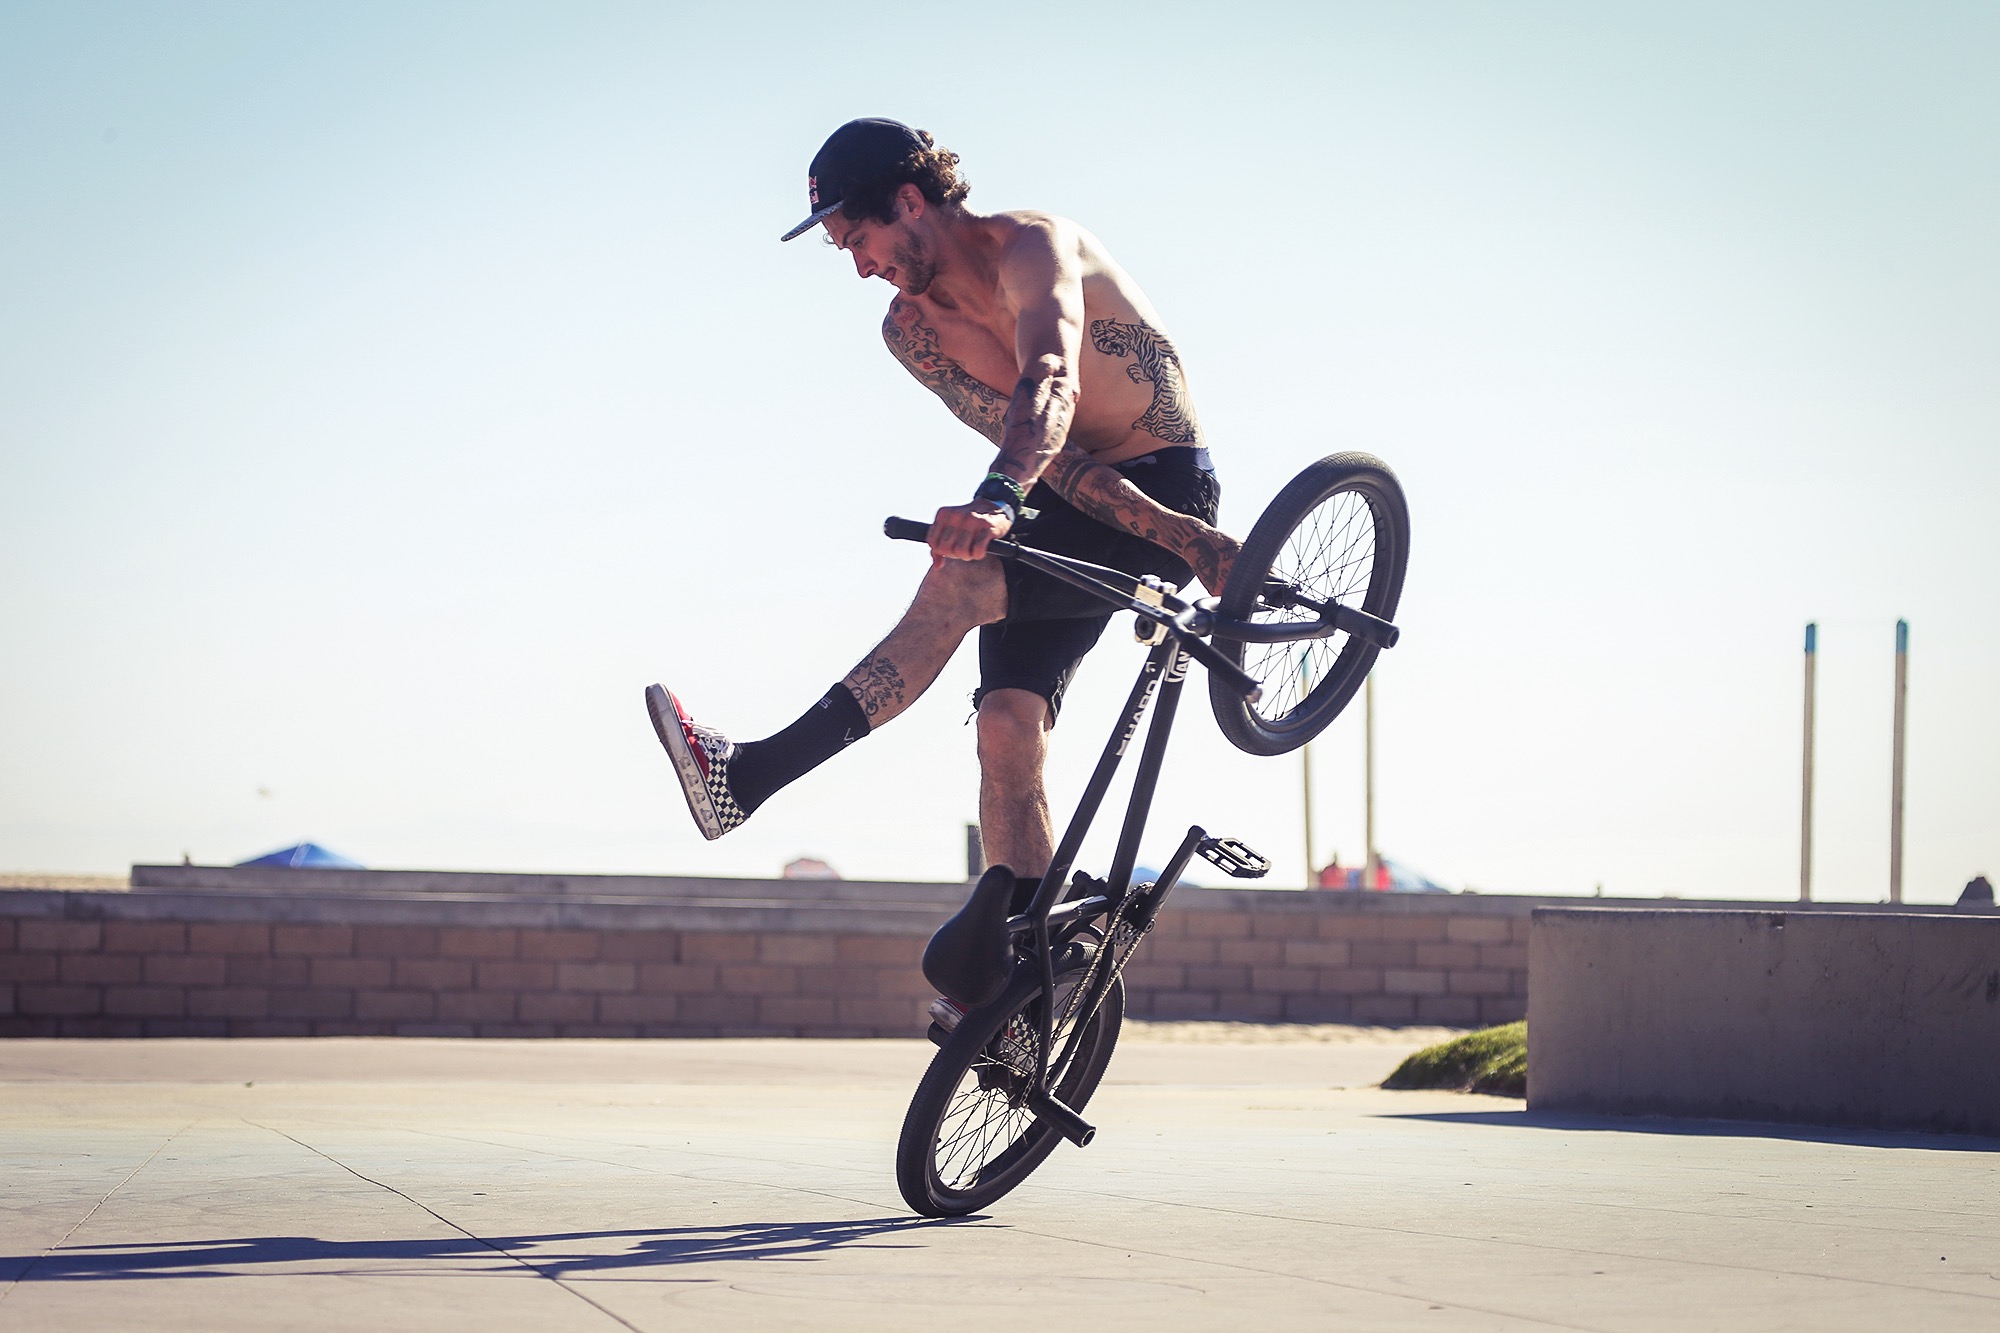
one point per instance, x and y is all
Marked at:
(1119, 943)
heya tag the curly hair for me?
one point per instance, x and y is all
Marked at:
(931, 169)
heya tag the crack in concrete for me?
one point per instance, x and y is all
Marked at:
(22, 1276)
(536, 1269)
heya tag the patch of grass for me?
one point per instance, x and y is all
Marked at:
(1491, 1060)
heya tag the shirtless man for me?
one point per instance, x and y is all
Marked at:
(1034, 337)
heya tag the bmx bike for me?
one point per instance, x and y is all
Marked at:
(1040, 987)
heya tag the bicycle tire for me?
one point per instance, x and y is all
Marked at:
(1340, 531)
(967, 1139)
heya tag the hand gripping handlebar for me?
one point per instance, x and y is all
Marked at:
(1115, 587)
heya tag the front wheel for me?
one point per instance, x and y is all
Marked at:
(1338, 532)
(969, 1136)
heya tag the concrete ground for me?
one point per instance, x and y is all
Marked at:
(406, 1184)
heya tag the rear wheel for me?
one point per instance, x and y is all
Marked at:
(1338, 532)
(969, 1136)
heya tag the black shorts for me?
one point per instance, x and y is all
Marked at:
(1051, 625)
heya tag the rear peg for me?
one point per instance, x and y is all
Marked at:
(1069, 1124)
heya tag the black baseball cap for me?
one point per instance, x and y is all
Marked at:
(853, 155)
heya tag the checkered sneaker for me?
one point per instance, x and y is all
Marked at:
(701, 760)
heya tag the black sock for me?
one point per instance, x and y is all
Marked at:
(759, 768)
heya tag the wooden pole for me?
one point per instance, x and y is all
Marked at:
(1896, 765)
(1368, 715)
(1806, 785)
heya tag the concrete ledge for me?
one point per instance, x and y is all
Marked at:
(1875, 1019)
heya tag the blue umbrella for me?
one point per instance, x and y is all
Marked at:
(304, 854)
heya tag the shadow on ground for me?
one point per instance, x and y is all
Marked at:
(1725, 1129)
(552, 1255)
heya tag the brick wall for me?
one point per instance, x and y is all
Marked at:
(205, 952)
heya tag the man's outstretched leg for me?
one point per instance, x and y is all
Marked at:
(725, 782)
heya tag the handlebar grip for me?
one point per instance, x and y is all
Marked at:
(1218, 664)
(906, 530)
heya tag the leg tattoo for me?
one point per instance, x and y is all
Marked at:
(876, 683)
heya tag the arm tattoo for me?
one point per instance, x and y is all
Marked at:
(1170, 416)
(1109, 497)
(977, 404)
(876, 684)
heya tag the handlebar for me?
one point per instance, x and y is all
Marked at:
(1177, 616)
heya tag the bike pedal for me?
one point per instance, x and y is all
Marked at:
(1230, 855)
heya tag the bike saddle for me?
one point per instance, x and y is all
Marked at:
(971, 957)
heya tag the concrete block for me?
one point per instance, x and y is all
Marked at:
(1425, 929)
(58, 1001)
(717, 1011)
(877, 949)
(50, 936)
(612, 978)
(1413, 981)
(757, 979)
(795, 949)
(1220, 978)
(1448, 1010)
(99, 969)
(1181, 1004)
(902, 1016)
(1250, 1006)
(558, 1007)
(841, 979)
(1474, 981)
(1318, 953)
(144, 1001)
(478, 1006)
(186, 969)
(1349, 981)
(312, 1004)
(1384, 953)
(395, 1005)
(229, 1002)
(314, 939)
(677, 978)
(1864, 1019)
(263, 970)
(433, 974)
(28, 967)
(1384, 1008)
(637, 1008)
(1318, 1008)
(640, 946)
(1448, 955)
(478, 942)
(1239, 953)
(355, 973)
(1295, 980)
(1218, 926)
(1205, 950)
(231, 937)
(718, 947)
(1479, 930)
(506, 975)
(396, 941)
(151, 937)
(1282, 925)
(560, 946)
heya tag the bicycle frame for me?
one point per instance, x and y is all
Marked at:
(1047, 919)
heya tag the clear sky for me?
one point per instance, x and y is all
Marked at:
(389, 392)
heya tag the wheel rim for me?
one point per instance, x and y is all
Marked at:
(987, 1126)
(1330, 556)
